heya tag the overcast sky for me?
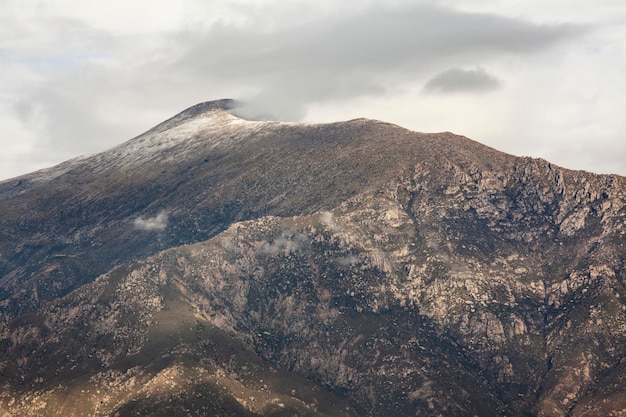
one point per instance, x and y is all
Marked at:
(541, 78)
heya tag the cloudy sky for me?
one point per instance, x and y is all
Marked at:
(542, 78)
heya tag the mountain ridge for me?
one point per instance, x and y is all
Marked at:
(156, 156)
(389, 271)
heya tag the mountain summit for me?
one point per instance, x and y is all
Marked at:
(220, 266)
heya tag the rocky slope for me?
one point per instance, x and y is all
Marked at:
(218, 266)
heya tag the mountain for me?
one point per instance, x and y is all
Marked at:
(216, 266)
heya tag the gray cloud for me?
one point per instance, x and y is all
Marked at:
(158, 222)
(459, 80)
(348, 56)
(374, 40)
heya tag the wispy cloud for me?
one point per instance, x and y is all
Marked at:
(327, 218)
(289, 241)
(347, 261)
(158, 222)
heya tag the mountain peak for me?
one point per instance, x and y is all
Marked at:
(206, 108)
(225, 104)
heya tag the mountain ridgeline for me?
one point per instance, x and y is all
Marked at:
(217, 266)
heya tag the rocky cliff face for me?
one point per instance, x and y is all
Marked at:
(217, 266)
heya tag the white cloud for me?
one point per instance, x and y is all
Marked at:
(327, 218)
(158, 222)
(288, 242)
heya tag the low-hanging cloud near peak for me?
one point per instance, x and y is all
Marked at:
(352, 55)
